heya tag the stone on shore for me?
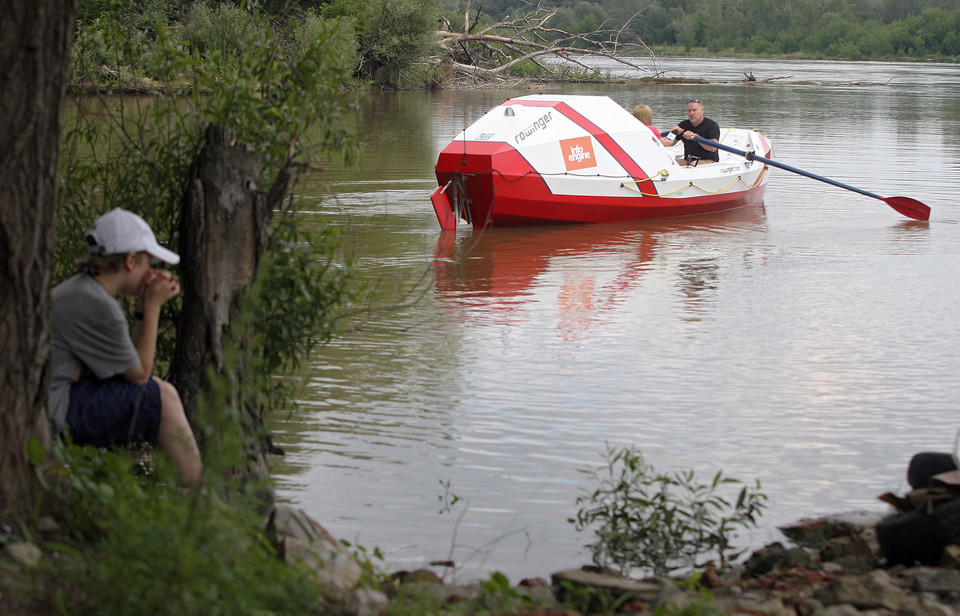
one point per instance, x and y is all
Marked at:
(300, 539)
(23, 553)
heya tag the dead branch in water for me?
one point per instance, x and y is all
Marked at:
(489, 53)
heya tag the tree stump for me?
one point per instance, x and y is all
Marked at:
(222, 238)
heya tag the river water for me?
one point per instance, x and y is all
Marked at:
(812, 344)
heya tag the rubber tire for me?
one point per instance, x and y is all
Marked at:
(925, 465)
(916, 537)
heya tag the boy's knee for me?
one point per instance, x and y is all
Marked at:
(168, 393)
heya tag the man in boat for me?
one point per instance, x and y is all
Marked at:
(696, 124)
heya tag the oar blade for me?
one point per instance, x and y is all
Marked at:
(911, 208)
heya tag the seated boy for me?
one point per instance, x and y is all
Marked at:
(102, 386)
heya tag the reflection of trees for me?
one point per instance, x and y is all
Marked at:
(395, 137)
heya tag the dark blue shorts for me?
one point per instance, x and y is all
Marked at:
(114, 412)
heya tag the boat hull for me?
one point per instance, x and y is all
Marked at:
(628, 174)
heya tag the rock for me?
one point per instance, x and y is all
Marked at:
(939, 581)
(755, 606)
(446, 594)
(871, 591)
(832, 568)
(420, 575)
(776, 556)
(537, 582)
(301, 539)
(951, 556)
(732, 576)
(607, 581)
(23, 553)
(818, 531)
(844, 609)
(853, 553)
(365, 602)
(803, 605)
(46, 524)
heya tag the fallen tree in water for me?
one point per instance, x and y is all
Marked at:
(479, 53)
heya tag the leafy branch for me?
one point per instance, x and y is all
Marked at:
(662, 522)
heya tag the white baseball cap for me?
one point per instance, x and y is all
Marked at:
(119, 231)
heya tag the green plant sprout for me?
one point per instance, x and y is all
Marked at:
(661, 522)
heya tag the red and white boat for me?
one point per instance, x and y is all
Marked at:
(545, 159)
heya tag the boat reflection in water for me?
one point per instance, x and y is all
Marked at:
(587, 270)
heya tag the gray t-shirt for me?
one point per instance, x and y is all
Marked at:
(91, 338)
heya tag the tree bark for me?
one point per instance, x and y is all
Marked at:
(222, 239)
(222, 233)
(35, 39)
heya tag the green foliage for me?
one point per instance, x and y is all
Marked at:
(355, 10)
(332, 33)
(500, 597)
(114, 42)
(526, 68)
(370, 561)
(222, 33)
(141, 11)
(590, 599)
(398, 34)
(664, 521)
(496, 596)
(142, 546)
(875, 29)
(278, 85)
(281, 94)
(699, 608)
(448, 499)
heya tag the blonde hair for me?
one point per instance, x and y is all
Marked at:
(94, 265)
(643, 113)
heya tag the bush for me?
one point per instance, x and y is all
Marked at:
(283, 97)
(141, 546)
(398, 34)
(222, 34)
(114, 40)
(325, 43)
(661, 522)
(281, 92)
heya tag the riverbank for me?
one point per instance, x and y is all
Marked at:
(825, 567)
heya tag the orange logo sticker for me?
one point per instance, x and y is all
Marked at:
(578, 153)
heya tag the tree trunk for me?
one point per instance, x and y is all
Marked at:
(222, 238)
(35, 39)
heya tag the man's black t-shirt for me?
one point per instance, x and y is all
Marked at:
(708, 129)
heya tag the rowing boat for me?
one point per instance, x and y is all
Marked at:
(549, 159)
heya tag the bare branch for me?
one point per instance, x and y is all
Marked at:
(487, 53)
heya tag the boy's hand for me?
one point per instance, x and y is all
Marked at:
(159, 286)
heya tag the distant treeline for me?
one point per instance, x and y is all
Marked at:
(842, 29)
(394, 41)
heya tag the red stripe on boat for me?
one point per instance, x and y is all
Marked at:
(602, 137)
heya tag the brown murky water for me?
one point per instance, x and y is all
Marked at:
(813, 344)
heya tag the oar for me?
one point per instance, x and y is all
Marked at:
(911, 208)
